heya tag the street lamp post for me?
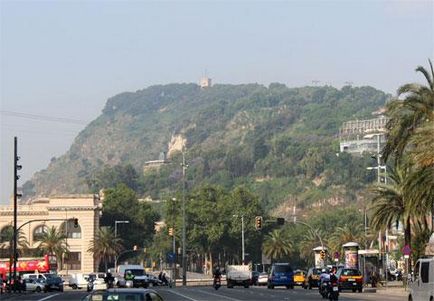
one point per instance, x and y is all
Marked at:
(379, 167)
(184, 259)
(242, 238)
(116, 234)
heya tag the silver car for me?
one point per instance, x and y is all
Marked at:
(34, 285)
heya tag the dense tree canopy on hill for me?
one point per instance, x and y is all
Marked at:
(279, 142)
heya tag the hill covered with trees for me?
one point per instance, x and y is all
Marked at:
(279, 142)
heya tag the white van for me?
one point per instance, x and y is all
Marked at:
(422, 283)
(78, 281)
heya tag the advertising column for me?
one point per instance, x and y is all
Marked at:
(320, 256)
(351, 251)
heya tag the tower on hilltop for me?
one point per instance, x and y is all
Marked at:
(205, 82)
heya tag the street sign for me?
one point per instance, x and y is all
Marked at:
(171, 257)
(406, 250)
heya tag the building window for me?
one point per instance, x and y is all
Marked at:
(72, 261)
(39, 232)
(6, 234)
(71, 230)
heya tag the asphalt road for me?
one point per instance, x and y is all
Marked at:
(203, 293)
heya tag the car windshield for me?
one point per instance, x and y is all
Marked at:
(282, 269)
(351, 272)
(137, 272)
(299, 273)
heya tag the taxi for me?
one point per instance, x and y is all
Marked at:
(299, 277)
(350, 279)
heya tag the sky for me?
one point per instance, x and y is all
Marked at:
(62, 60)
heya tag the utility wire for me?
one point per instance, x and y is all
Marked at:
(43, 118)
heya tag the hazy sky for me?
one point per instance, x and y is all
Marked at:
(61, 60)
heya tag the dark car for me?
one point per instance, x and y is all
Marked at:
(254, 279)
(350, 279)
(131, 294)
(53, 282)
(281, 274)
(312, 278)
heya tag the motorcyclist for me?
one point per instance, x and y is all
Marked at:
(109, 279)
(324, 278)
(129, 275)
(164, 279)
(216, 275)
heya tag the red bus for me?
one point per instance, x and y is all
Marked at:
(45, 264)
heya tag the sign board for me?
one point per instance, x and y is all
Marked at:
(406, 250)
(171, 257)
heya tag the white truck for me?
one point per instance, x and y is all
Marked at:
(141, 279)
(422, 281)
(238, 275)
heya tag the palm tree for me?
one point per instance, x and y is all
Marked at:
(105, 245)
(53, 241)
(277, 244)
(409, 114)
(308, 243)
(389, 205)
(7, 240)
(352, 232)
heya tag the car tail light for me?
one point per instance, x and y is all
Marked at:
(341, 279)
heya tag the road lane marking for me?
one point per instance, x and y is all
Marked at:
(218, 295)
(49, 297)
(181, 295)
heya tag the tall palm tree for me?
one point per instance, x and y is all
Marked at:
(53, 241)
(105, 246)
(353, 232)
(389, 205)
(277, 245)
(408, 113)
(308, 243)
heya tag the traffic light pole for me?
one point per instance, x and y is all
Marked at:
(16, 177)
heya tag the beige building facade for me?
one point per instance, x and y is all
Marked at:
(60, 212)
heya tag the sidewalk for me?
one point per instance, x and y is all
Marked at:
(395, 288)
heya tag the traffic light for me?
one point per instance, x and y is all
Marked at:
(258, 222)
(75, 220)
(322, 254)
(170, 231)
(17, 167)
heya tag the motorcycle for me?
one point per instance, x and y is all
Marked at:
(217, 283)
(333, 290)
(129, 283)
(324, 289)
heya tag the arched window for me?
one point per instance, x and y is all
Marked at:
(39, 232)
(70, 229)
(6, 234)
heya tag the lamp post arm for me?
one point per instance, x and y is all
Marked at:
(313, 230)
(125, 252)
(40, 220)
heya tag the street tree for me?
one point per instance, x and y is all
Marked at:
(105, 246)
(277, 245)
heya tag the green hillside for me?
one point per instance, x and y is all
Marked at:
(280, 142)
